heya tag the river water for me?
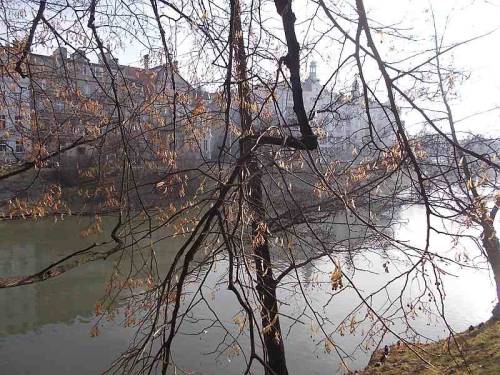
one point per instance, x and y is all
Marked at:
(45, 328)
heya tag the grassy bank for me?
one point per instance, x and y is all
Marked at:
(480, 349)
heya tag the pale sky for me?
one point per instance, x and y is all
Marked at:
(466, 19)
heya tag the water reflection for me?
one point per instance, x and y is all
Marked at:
(27, 247)
(45, 327)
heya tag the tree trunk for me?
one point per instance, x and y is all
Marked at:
(492, 247)
(489, 238)
(266, 285)
(274, 349)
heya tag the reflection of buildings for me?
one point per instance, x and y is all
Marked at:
(27, 247)
(346, 237)
(61, 299)
(17, 305)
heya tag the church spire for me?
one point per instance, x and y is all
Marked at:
(355, 93)
(312, 71)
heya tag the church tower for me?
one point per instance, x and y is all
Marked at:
(312, 71)
(355, 92)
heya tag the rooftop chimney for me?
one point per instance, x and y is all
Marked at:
(108, 57)
(78, 54)
(60, 52)
(145, 61)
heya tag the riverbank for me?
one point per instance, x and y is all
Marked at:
(480, 347)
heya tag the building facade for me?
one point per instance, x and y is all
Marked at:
(346, 129)
(101, 110)
(95, 111)
(14, 113)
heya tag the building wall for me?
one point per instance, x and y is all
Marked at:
(340, 120)
(71, 100)
(14, 118)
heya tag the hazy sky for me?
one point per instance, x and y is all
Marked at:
(464, 19)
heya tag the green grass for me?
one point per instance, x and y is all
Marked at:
(480, 355)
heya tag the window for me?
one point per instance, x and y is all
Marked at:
(99, 71)
(86, 89)
(3, 145)
(205, 144)
(19, 146)
(59, 105)
(2, 122)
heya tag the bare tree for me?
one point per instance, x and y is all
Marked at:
(246, 163)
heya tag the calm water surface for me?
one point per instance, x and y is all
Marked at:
(45, 328)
